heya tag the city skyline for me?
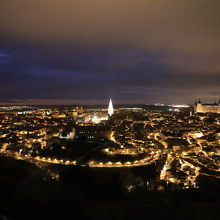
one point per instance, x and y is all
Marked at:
(109, 109)
(54, 52)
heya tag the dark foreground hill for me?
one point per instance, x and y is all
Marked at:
(28, 192)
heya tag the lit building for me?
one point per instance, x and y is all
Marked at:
(70, 136)
(97, 119)
(79, 110)
(205, 108)
(110, 108)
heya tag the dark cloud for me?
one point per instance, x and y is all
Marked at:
(84, 51)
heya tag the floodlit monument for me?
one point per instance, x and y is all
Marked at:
(205, 108)
(110, 108)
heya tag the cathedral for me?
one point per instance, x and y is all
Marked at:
(110, 108)
(200, 107)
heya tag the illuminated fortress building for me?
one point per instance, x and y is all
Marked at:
(205, 108)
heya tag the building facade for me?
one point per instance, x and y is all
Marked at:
(205, 108)
(93, 132)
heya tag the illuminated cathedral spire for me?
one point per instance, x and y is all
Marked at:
(110, 108)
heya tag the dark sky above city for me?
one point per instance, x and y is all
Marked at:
(83, 52)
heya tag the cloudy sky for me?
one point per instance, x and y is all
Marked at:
(83, 52)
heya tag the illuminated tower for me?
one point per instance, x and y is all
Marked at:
(199, 107)
(110, 108)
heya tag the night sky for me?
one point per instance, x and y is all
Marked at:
(85, 51)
